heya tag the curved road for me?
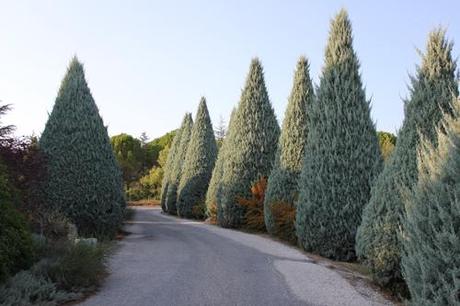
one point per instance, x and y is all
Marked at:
(170, 261)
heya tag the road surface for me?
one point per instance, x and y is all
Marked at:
(171, 261)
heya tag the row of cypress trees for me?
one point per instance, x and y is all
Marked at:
(189, 165)
(380, 238)
(326, 164)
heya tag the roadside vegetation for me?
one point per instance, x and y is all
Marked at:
(325, 180)
(56, 228)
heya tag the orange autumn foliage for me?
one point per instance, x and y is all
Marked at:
(254, 206)
(284, 217)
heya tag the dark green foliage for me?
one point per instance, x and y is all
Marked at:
(431, 261)
(154, 148)
(342, 155)
(84, 180)
(129, 154)
(27, 288)
(431, 96)
(169, 164)
(251, 147)
(211, 194)
(387, 142)
(177, 163)
(198, 164)
(16, 251)
(283, 181)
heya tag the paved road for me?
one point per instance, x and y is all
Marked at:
(168, 261)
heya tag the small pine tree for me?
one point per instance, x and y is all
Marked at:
(283, 181)
(431, 96)
(199, 162)
(177, 164)
(342, 155)
(169, 165)
(211, 194)
(251, 147)
(220, 132)
(84, 180)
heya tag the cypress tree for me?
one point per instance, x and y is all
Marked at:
(198, 164)
(431, 261)
(342, 155)
(251, 147)
(169, 164)
(211, 194)
(84, 180)
(177, 164)
(283, 181)
(431, 96)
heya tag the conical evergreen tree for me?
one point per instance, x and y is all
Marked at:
(283, 184)
(211, 194)
(84, 180)
(342, 155)
(431, 96)
(177, 164)
(169, 164)
(251, 147)
(198, 164)
(431, 261)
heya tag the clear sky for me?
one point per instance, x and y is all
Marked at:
(148, 62)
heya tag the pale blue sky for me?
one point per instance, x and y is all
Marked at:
(148, 62)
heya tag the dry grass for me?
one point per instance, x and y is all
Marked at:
(150, 202)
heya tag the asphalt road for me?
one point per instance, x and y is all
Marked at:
(169, 261)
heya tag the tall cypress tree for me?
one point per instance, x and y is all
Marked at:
(431, 96)
(251, 148)
(342, 155)
(169, 165)
(177, 164)
(211, 194)
(431, 260)
(84, 180)
(199, 162)
(283, 184)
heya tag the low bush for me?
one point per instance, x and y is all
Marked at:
(16, 247)
(254, 207)
(81, 268)
(28, 288)
(199, 211)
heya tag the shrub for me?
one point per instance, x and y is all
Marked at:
(27, 288)
(199, 211)
(284, 221)
(81, 268)
(83, 178)
(283, 185)
(16, 246)
(251, 147)
(431, 261)
(254, 207)
(342, 156)
(198, 164)
(378, 242)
